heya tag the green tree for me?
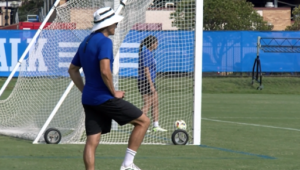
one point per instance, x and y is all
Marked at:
(296, 25)
(184, 15)
(219, 15)
(29, 7)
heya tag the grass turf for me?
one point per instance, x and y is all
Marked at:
(242, 128)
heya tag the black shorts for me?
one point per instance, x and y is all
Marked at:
(98, 118)
(144, 87)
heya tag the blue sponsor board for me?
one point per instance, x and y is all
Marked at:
(223, 51)
(49, 56)
(12, 44)
(175, 52)
(235, 51)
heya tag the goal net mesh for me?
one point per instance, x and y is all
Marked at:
(43, 75)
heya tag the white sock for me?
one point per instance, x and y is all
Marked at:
(155, 124)
(129, 157)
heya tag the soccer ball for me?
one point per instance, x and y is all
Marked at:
(180, 124)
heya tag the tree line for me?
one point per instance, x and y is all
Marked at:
(217, 15)
(225, 15)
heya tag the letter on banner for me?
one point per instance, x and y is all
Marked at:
(14, 52)
(3, 62)
(35, 54)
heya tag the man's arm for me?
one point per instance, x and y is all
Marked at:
(76, 77)
(106, 75)
(107, 78)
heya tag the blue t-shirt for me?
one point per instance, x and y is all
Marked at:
(146, 59)
(88, 57)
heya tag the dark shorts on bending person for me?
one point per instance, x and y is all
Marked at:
(99, 118)
(144, 87)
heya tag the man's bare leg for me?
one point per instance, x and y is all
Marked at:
(141, 125)
(92, 142)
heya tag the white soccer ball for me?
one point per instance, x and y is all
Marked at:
(180, 124)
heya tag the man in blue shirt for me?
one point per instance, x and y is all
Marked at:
(100, 100)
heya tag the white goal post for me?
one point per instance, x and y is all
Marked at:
(198, 73)
(44, 95)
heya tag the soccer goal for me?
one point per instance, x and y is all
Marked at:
(272, 45)
(44, 96)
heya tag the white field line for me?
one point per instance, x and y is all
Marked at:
(280, 118)
(249, 124)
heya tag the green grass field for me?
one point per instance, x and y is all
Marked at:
(242, 128)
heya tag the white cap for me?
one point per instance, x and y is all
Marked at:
(105, 17)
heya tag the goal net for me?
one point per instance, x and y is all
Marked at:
(43, 75)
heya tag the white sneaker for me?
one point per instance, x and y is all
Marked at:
(159, 129)
(130, 167)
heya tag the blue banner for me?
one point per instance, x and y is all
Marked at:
(175, 52)
(12, 45)
(223, 51)
(232, 51)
